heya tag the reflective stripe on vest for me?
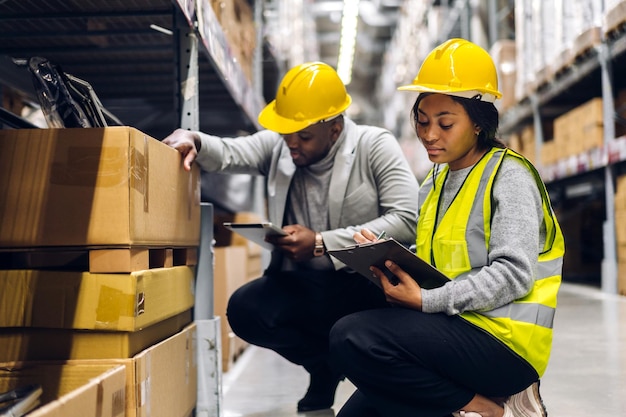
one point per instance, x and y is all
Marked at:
(524, 325)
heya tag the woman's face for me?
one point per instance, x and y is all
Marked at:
(447, 132)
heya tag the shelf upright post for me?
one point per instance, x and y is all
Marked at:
(465, 16)
(609, 262)
(208, 328)
(187, 50)
(492, 10)
(537, 127)
(257, 63)
(257, 83)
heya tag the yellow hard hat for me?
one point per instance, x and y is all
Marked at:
(307, 94)
(457, 67)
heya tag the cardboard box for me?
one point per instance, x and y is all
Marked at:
(504, 56)
(160, 381)
(620, 193)
(83, 300)
(620, 230)
(71, 390)
(164, 377)
(226, 237)
(37, 344)
(527, 138)
(230, 272)
(621, 278)
(100, 186)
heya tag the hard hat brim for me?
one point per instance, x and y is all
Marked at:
(269, 119)
(489, 96)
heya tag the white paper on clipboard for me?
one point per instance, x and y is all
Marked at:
(256, 232)
(361, 257)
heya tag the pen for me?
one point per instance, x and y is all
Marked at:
(381, 235)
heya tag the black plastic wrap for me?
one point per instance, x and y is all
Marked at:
(67, 101)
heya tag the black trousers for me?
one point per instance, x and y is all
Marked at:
(292, 312)
(408, 363)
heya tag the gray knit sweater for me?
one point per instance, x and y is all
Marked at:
(517, 236)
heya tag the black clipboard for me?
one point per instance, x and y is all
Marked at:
(361, 257)
(256, 232)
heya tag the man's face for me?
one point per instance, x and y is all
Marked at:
(312, 143)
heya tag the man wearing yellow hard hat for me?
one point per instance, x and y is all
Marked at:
(326, 178)
(477, 345)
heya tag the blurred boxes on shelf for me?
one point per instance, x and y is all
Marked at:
(236, 18)
(580, 129)
(523, 142)
(230, 273)
(101, 186)
(237, 261)
(620, 232)
(225, 237)
(504, 57)
(620, 110)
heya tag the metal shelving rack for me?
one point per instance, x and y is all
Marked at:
(157, 65)
(128, 52)
(590, 75)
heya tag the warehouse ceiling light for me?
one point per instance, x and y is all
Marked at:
(347, 43)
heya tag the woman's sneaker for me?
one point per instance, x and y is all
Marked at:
(527, 403)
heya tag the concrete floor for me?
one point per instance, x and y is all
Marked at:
(586, 376)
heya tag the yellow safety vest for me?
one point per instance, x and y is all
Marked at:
(459, 245)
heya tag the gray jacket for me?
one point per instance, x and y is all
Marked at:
(371, 186)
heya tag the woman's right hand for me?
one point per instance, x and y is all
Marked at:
(365, 236)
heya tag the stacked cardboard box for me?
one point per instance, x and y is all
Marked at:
(504, 55)
(580, 129)
(523, 142)
(77, 389)
(99, 233)
(237, 261)
(237, 21)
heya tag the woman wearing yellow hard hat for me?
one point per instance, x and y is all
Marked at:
(477, 345)
(325, 177)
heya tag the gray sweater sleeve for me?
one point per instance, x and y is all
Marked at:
(517, 234)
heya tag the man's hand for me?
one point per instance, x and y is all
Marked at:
(298, 245)
(184, 141)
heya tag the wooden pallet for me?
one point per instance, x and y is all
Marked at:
(98, 259)
(585, 42)
(615, 20)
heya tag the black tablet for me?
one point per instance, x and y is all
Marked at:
(256, 232)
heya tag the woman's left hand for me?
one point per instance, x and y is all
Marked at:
(406, 292)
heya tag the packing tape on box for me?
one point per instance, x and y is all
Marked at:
(139, 175)
(114, 306)
(144, 387)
